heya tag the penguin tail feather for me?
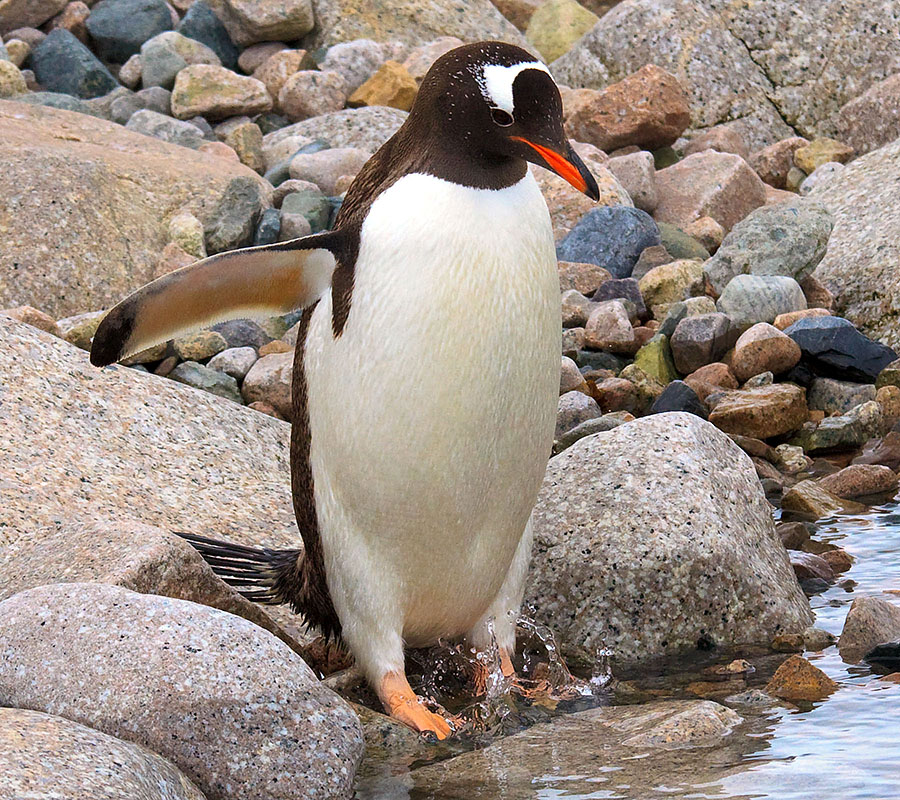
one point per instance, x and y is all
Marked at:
(271, 577)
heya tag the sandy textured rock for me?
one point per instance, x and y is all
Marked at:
(391, 86)
(97, 444)
(311, 93)
(858, 480)
(412, 22)
(269, 380)
(367, 128)
(250, 21)
(763, 348)
(556, 25)
(798, 679)
(43, 756)
(861, 263)
(773, 162)
(27, 13)
(61, 174)
(870, 621)
(761, 412)
(809, 498)
(873, 118)
(637, 175)
(207, 690)
(216, 93)
(640, 593)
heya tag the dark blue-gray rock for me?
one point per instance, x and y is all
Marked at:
(268, 228)
(749, 299)
(236, 216)
(832, 396)
(118, 28)
(209, 380)
(311, 204)
(57, 100)
(613, 237)
(243, 333)
(885, 656)
(159, 126)
(205, 128)
(271, 121)
(784, 239)
(63, 64)
(622, 289)
(597, 359)
(153, 99)
(701, 340)
(833, 347)
(202, 25)
(678, 396)
(679, 244)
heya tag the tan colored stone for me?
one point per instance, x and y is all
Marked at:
(859, 480)
(278, 67)
(216, 93)
(275, 346)
(186, 231)
(269, 380)
(798, 679)
(706, 231)
(556, 25)
(808, 497)
(391, 86)
(584, 278)
(245, 138)
(12, 83)
(816, 293)
(708, 184)
(888, 397)
(722, 138)
(310, 93)
(252, 21)
(609, 328)
(648, 109)
(17, 50)
(253, 57)
(72, 18)
(783, 321)
(670, 282)
(761, 412)
(199, 346)
(773, 163)
(820, 151)
(763, 348)
(80, 329)
(31, 316)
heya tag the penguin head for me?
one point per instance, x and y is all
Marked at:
(492, 104)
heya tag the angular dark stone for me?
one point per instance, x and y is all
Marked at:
(700, 340)
(622, 289)
(885, 655)
(596, 359)
(63, 64)
(269, 227)
(118, 28)
(202, 25)
(243, 333)
(271, 122)
(678, 396)
(833, 347)
(613, 237)
(236, 216)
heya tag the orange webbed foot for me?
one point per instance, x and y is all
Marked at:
(405, 706)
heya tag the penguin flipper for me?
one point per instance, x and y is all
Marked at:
(256, 281)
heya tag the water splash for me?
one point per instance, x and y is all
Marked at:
(601, 672)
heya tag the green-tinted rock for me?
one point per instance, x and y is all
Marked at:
(664, 157)
(11, 81)
(669, 283)
(655, 359)
(199, 346)
(679, 244)
(821, 151)
(186, 231)
(647, 386)
(889, 376)
(193, 374)
(311, 204)
(843, 432)
(557, 25)
(80, 329)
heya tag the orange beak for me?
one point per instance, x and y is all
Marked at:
(570, 167)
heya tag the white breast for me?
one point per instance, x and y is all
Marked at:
(432, 414)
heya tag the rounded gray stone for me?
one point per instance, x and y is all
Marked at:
(227, 703)
(749, 299)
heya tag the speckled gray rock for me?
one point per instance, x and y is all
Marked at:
(749, 299)
(575, 408)
(870, 621)
(830, 396)
(155, 99)
(680, 545)
(609, 747)
(88, 443)
(103, 166)
(226, 702)
(43, 756)
(235, 361)
(120, 552)
(862, 263)
(367, 128)
(236, 215)
(198, 376)
(785, 239)
(165, 128)
(355, 61)
(243, 333)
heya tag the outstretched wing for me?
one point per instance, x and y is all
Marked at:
(257, 281)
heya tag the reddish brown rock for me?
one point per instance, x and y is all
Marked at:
(615, 394)
(609, 328)
(798, 679)
(706, 231)
(31, 316)
(584, 278)
(858, 480)
(809, 565)
(807, 497)
(72, 19)
(217, 93)
(773, 163)
(708, 184)
(763, 348)
(761, 412)
(570, 378)
(870, 621)
(872, 119)
(518, 12)
(711, 378)
(648, 109)
(219, 150)
(783, 321)
(722, 138)
(839, 560)
(816, 293)
(265, 408)
(792, 534)
(269, 381)
(278, 67)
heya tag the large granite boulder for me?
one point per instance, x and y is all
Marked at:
(226, 702)
(861, 266)
(42, 756)
(88, 205)
(757, 65)
(655, 538)
(90, 444)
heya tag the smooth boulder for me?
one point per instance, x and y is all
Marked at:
(655, 538)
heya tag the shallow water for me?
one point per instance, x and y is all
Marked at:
(847, 746)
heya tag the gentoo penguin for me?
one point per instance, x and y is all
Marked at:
(426, 372)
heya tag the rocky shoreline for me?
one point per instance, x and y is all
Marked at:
(728, 331)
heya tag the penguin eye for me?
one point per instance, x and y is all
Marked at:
(503, 118)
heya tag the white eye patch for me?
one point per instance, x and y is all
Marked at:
(496, 82)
